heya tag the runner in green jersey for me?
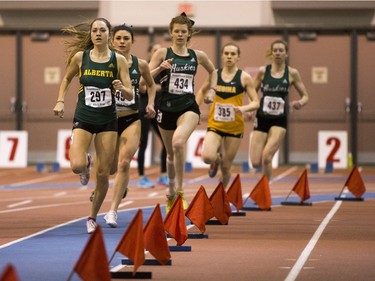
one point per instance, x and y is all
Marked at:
(129, 125)
(270, 125)
(101, 72)
(178, 114)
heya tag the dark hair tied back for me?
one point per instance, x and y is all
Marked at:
(184, 15)
(128, 28)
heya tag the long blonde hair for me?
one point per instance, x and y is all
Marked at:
(82, 37)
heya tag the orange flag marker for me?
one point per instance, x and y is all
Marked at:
(355, 183)
(200, 210)
(220, 203)
(93, 262)
(174, 222)
(302, 187)
(9, 274)
(235, 193)
(131, 244)
(261, 194)
(155, 239)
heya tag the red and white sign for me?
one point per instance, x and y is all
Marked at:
(333, 148)
(13, 149)
(63, 147)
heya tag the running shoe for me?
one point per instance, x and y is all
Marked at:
(184, 203)
(90, 225)
(85, 176)
(111, 219)
(145, 183)
(170, 200)
(214, 167)
(163, 180)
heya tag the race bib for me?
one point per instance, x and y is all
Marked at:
(121, 101)
(224, 112)
(95, 97)
(273, 105)
(181, 83)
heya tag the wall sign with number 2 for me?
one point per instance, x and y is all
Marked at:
(333, 148)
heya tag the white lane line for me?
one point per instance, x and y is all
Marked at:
(41, 207)
(283, 175)
(60, 225)
(38, 233)
(197, 179)
(20, 203)
(59, 194)
(125, 203)
(39, 180)
(153, 194)
(310, 246)
(279, 177)
(117, 268)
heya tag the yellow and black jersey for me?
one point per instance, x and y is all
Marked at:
(222, 116)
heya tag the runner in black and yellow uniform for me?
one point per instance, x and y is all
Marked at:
(270, 125)
(178, 113)
(129, 125)
(101, 72)
(226, 125)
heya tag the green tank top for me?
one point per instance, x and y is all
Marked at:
(275, 92)
(96, 102)
(177, 84)
(135, 76)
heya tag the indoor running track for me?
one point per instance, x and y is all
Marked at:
(42, 229)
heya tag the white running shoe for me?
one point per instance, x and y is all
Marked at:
(111, 219)
(91, 226)
(84, 177)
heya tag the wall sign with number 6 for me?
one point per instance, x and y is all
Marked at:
(63, 147)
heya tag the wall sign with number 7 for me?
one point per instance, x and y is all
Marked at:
(13, 149)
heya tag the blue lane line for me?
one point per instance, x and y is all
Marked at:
(76, 184)
(319, 198)
(51, 256)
